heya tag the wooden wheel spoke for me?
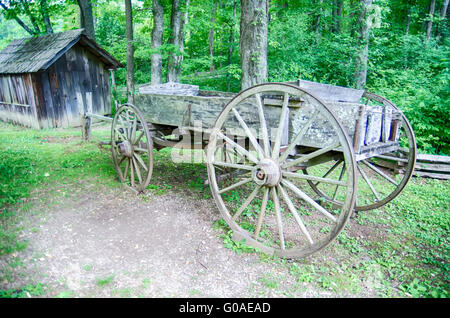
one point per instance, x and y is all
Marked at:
(132, 173)
(295, 175)
(381, 173)
(246, 203)
(122, 160)
(126, 169)
(263, 124)
(306, 198)
(311, 155)
(366, 179)
(139, 149)
(341, 175)
(124, 127)
(262, 212)
(141, 162)
(233, 153)
(238, 147)
(138, 171)
(232, 165)
(330, 170)
(120, 134)
(133, 129)
(276, 202)
(297, 138)
(236, 185)
(295, 213)
(141, 133)
(251, 137)
(284, 112)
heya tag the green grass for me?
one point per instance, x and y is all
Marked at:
(43, 161)
(405, 254)
(24, 292)
(101, 282)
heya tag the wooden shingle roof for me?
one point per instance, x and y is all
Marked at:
(36, 54)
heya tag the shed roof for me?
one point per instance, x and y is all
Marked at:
(35, 54)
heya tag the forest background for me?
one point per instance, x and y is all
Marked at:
(396, 48)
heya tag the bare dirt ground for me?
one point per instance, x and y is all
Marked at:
(113, 243)
(106, 242)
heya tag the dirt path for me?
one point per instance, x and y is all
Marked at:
(112, 244)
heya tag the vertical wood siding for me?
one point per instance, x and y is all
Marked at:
(17, 100)
(76, 83)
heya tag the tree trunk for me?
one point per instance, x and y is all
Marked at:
(157, 39)
(443, 21)
(175, 58)
(32, 18)
(87, 17)
(253, 42)
(340, 4)
(318, 17)
(130, 51)
(231, 25)
(46, 17)
(408, 20)
(430, 19)
(363, 44)
(211, 37)
(184, 20)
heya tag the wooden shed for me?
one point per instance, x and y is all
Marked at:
(51, 80)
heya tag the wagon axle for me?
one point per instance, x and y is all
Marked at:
(126, 148)
(267, 173)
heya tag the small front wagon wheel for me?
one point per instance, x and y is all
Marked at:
(265, 199)
(132, 147)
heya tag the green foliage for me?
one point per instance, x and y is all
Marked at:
(24, 292)
(409, 70)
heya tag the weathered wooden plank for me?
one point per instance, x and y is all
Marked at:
(48, 99)
(432, 175)
(433, 158)
(39, 101)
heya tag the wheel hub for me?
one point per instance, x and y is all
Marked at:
(267, 172)
(126, 148)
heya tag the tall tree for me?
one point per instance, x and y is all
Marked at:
(362, 55)
(443, 20)
(231, 23)
(211, 36)
(45, 16)
(157, 40)
(253, 42)
(87, 17)
(337, 16)
(408, 20)
(176, 39)
(130, 51)
(430, 18)
(317, 16)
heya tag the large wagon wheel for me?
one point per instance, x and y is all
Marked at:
(376, 185)
(132, 147)
(266, 201)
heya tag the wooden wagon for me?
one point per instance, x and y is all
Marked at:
(284, 160)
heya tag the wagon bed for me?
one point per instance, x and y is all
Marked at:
(372, 127)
